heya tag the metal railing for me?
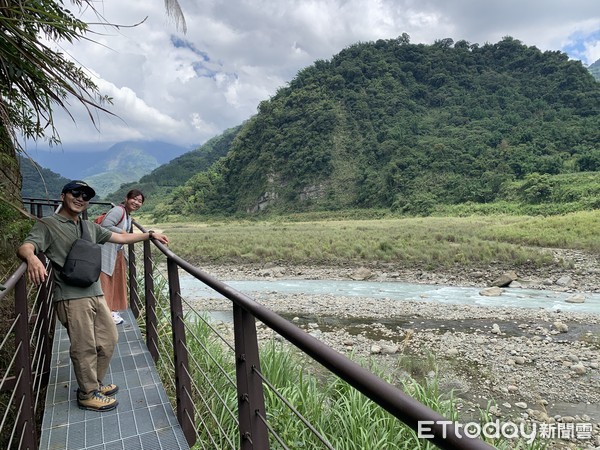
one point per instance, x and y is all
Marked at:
(218, 396)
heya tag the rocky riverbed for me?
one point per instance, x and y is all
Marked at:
(536, 366)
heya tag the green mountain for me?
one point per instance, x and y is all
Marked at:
(390, 124)
(595, 70)
(158, 184)
(128, 162)
(39, 182)
(106, 170)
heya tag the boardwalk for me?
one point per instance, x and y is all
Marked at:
(144, 418)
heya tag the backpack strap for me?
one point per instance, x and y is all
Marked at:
(123, 215)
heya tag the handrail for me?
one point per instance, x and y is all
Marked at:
(13, 280)
(252, 423)
(26, 371)
(396, 402)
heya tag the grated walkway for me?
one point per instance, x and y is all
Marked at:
(144, 418)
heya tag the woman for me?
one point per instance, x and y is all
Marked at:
(112, 277)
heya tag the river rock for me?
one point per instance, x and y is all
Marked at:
(389, 349)
(491, 291)
(452, 352)
(504, 280)
(361, 274)
(564, 281)
(576, 298)
(414, 324)
(560, 327)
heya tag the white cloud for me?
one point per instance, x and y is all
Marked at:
(592, 51)
(188, 88)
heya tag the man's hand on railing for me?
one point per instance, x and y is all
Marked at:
(35, 268)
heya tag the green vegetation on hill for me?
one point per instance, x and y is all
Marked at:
(39, 182)
(407, 127)
(158, 184)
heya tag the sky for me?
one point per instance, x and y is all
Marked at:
(185, 88)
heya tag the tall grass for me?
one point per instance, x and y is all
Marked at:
(343, 416)
(429, 243)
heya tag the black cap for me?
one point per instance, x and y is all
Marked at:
(79, 185)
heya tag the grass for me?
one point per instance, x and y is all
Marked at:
(346, 417)
(429, 243)
(341, 414)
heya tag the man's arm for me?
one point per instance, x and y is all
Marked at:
(35, 269)
(132, 238)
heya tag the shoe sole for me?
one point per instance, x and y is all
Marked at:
(101, 409)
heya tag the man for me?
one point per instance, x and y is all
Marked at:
(81, 310)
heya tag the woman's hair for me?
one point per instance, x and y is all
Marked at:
(134, 193)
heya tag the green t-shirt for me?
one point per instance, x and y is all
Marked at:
(54, 236)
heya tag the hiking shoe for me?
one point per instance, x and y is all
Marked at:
(97, 402)
(108, 389)
(117, 318)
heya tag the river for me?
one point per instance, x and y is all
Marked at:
(511, 297)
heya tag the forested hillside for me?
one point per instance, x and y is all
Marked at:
(40, 182)
(158, 184)
(390, 124)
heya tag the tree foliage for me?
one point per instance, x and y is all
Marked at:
(34, 76)
(397, 125)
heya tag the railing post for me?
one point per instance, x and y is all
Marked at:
(134, 298)
(183, 385)
(23, 392)
(251, 403)
(151, 320)
(47, 314)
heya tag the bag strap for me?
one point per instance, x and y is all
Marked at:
(121, 219)
(85, 233)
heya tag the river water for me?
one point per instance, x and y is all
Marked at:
(453, 295)
(450, 295)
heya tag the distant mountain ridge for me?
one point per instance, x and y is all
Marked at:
(159, 183)
(106, 170)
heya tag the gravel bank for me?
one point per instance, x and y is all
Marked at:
(533, 365)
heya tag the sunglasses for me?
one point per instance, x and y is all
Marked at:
(84, 195)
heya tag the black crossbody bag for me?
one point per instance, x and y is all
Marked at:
(84, 261)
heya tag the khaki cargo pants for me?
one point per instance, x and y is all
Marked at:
(93, 335)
